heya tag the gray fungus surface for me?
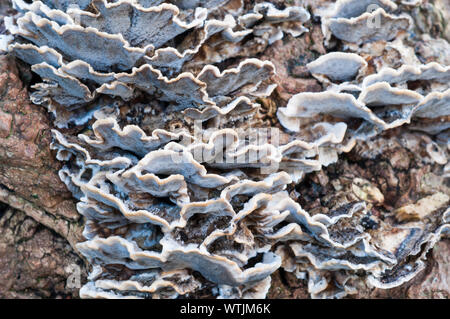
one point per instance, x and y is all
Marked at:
(183, 183)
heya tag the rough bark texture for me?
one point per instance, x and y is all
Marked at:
(29, 178)
(35, 262)
(41, 225)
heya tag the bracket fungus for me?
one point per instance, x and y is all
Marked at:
(183, 184)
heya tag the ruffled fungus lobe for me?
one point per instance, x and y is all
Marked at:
(338, 66)
(359, 22)
(182, 183)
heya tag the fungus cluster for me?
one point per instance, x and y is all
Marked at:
(184, 184)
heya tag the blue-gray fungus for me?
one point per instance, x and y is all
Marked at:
(184, 184)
